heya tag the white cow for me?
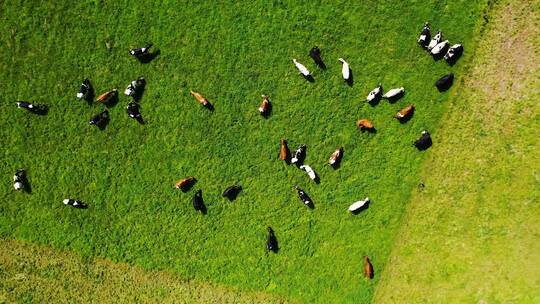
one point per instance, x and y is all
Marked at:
(309, 171)
(375, 93)
(303, 70)
(394, 92)
(439, 47)
(356, 206)
(345, 70)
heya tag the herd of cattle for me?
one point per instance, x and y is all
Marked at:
(434, 45)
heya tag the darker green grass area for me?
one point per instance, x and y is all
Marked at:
(232, 53)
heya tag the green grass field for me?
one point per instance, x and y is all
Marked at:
(232, 53)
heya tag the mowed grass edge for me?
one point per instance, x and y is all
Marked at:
(472, 234)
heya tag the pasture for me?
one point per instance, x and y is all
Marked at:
(231, 52)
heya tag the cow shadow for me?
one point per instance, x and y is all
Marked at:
(209, 107)
(406, 118)
(40, 109)
(310, 205)
(350, 80)
(187, 186)
(26, 184)
(365, 207)
(452, 61)
(140, 120)
(138, 94)
(317, 179)
(89, 98)
(395, 98)
(113, 101)
(309, 78)
(320, 63)
(147, 58)
(425, 145)
(371, 131)
(203, 209)
(375, 101)
(268, 112)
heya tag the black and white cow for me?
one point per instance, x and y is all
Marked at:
(141, 53)
(100, 119)
(304, 197)
(75, 203)
(135, 87)
(440, 48)
(271, 241)
(436, 40)
(40, 109)
(85, 89)
(444, 83)
(424, 141)
(231, 192)
(453, 53)
(133, 110)
(425, 36)
(19, 180)
(299, 155)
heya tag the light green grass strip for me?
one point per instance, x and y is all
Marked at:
(473, 234)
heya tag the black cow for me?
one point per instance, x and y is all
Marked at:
(100, 119)
(232, 191)
(444, 83)
(198, 202)
(304, 197)
(315, 54)
(424, 141)
(425, 36)
(271, 241)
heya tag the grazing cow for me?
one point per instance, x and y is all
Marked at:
(39, 109)
(265, 106)
(271, 241)
(394, 93)
(304, 197)
(335, 158)
(309, 171)
(299, 155)
(438, 49)
(85, 89)
(19, 179)
(303, 70)
(185, 183)
(135, 87)
(284, 153)
(75, 203)
(133, 110)
(436, 40)
(405, 113)
(198, 202)
(425, 36)
(345, 70)
(375, 94)
(444, 83)
(203, 101)
(364, 124)
(424, 141)
(100, 119)
(107, 96)
(231, 192)
(315, 54)
(453, 53)
(359, 205)
(140, 53)
(368, 268)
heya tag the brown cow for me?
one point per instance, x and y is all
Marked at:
(284, 153)
(265, 106)
(368, 268)
(364, 124)
(335, 158)
(107, 96)
(203, 101)
(185, 183)
(405, 113)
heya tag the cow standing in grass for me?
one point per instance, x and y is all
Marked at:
(368, 268)
(284, 153)
(425, 36)
(405, 113)
(271, 241)
(365, 125)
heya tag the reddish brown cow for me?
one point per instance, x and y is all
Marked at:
(368, 268)
(284, 152)
(364, 124)
(185, 183)
(203, 101)
(405, 112)
(107, 96)
(264, 108)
